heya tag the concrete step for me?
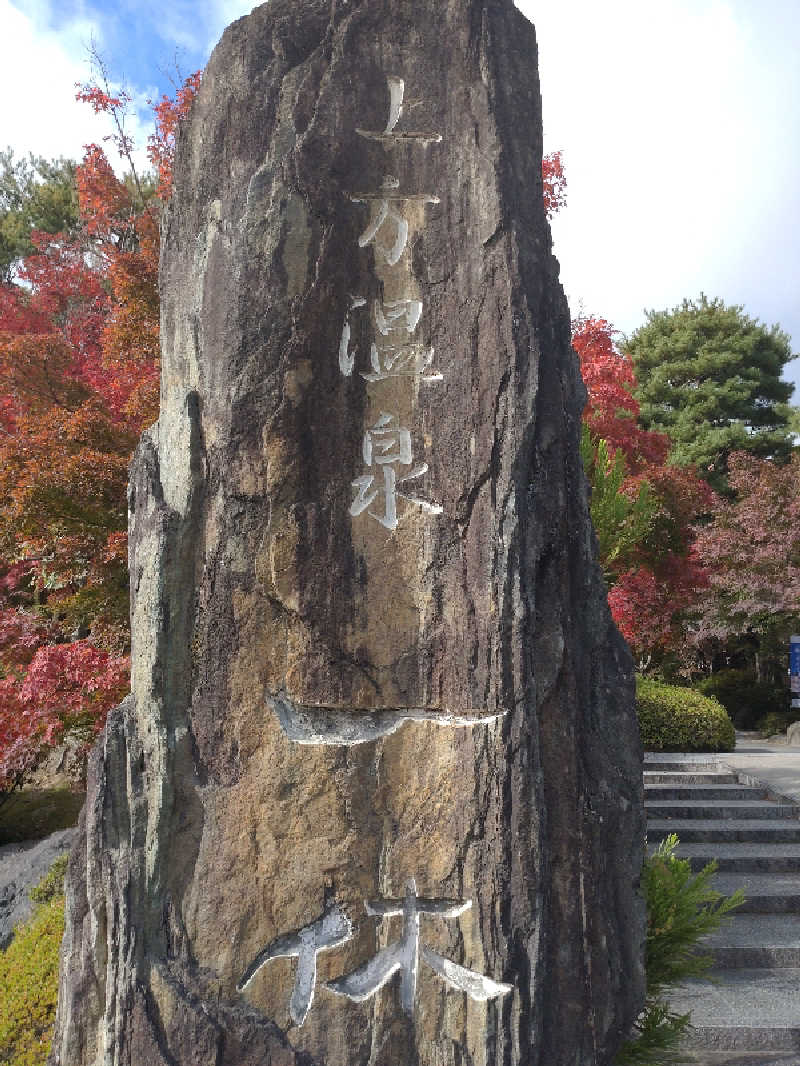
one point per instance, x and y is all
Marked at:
(766, 894)
(742, 858)
(657, 777)
(742, 1058)
(703, 793)
(687, 764)
(726, 830)
(757, 941)
(752, 1011)
(737, 809)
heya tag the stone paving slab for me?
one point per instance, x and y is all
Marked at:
(681, 759)
(761, 896)
(776, 764)
(763, 885)
(758, 929)
(743, 1058)
(750, 1039)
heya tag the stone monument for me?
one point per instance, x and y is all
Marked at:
(375, 798)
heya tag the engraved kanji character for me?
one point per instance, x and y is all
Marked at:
(403, 955)
(396, 88)
(346, 357)
(394, 315)
(407, 360)
(385, 446)
(383, 211)
(328, 931)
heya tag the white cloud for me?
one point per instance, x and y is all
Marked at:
(642, 109)
(39, 68)
(677, 123)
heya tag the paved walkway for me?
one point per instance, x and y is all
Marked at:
(775, 765)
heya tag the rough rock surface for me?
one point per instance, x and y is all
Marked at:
(372, 654)
(22, 866)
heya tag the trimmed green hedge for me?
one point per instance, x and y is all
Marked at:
(680, 719)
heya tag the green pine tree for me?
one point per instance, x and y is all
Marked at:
(709, 376)
(35, 193)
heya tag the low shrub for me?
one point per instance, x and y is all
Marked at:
(776, 722)
(746, 700)
(51, 885)
(29, 976)
(681, 719)
(681, 909)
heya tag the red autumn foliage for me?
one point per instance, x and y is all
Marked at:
(611, 411)
(664, 575)
(752, 552)
(79, 368)
(554, 184)
(67, 687)
(682, 496)
(161, 144)
(648, 605)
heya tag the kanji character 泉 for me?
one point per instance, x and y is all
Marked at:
(386, 446)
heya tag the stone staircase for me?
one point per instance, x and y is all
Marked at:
(749, 1015)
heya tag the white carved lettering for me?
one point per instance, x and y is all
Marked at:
(386, 446)
(328, 931)
(403, 955)
(389, 134)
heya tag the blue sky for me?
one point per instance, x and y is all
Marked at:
(679, 121)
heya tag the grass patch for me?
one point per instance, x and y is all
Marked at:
(29, 976)
(32, 814)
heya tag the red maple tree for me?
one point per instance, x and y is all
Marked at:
(611, 410)
(79, 368)
(660, 575)
(554, 184)
(751, 550)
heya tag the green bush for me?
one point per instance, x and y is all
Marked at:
(776, 722)
(29, 976)
(681, 908)
(681, 719)
(746, 700)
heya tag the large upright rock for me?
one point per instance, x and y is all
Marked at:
(375, 798)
